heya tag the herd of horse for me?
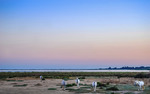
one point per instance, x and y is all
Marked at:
(94, 84)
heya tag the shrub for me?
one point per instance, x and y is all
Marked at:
(38, 84)
(71, 89)
(73, 84)
(65, 79)
(129, 93)
(114, 88)
(82, 77)
(10, 80)
(20, 80)
(101, 85)
(20, 85)
(70, 85)
(52, 88)
(107, 83)
(141, 75)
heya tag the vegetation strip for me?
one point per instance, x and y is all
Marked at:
(82, 75)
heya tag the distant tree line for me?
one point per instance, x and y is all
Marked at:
(127, 68)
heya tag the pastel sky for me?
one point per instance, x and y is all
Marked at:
(71, 34)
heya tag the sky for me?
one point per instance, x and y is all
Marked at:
(74, 34)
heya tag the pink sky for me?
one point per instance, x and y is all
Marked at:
(74, 33)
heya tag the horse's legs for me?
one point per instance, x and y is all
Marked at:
(140, 87)
(78, 85)
(95, 88)
(63, 87)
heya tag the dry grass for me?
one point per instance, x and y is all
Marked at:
(52, 86)
(123, 80)
(38, 84)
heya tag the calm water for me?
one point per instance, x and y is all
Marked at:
(74, 70)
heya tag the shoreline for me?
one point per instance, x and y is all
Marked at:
(39, 70)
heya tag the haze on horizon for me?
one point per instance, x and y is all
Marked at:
(65, 34)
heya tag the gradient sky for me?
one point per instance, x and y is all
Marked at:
(60, 34)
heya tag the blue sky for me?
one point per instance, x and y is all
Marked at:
(68, 33)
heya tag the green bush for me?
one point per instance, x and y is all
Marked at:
(142, 75)
(66, 79)
(52, 88)
(101, 85)
(114, 88)
(70, 85)
(128, 93)
(107, 83)
(83, 77)
(73, 84)
(20, 85)
(10, 80)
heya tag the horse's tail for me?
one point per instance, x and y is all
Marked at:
(143, 87)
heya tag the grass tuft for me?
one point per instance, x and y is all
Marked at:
(20, 85)
(114, 88)
(14, 80)
(128, 93)
(71, 85)
(52, 88)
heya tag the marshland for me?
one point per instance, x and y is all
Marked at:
(107, 82)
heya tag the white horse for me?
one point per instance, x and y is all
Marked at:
(94, 85)
(41, 77)
(63, 84)
(140, 84)
(77, 82)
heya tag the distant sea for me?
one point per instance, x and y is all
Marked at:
(77, 70)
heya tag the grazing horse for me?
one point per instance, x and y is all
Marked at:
(94, 85)
(77, 82)
(63, 84)
(140, 84)
(41, 77)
